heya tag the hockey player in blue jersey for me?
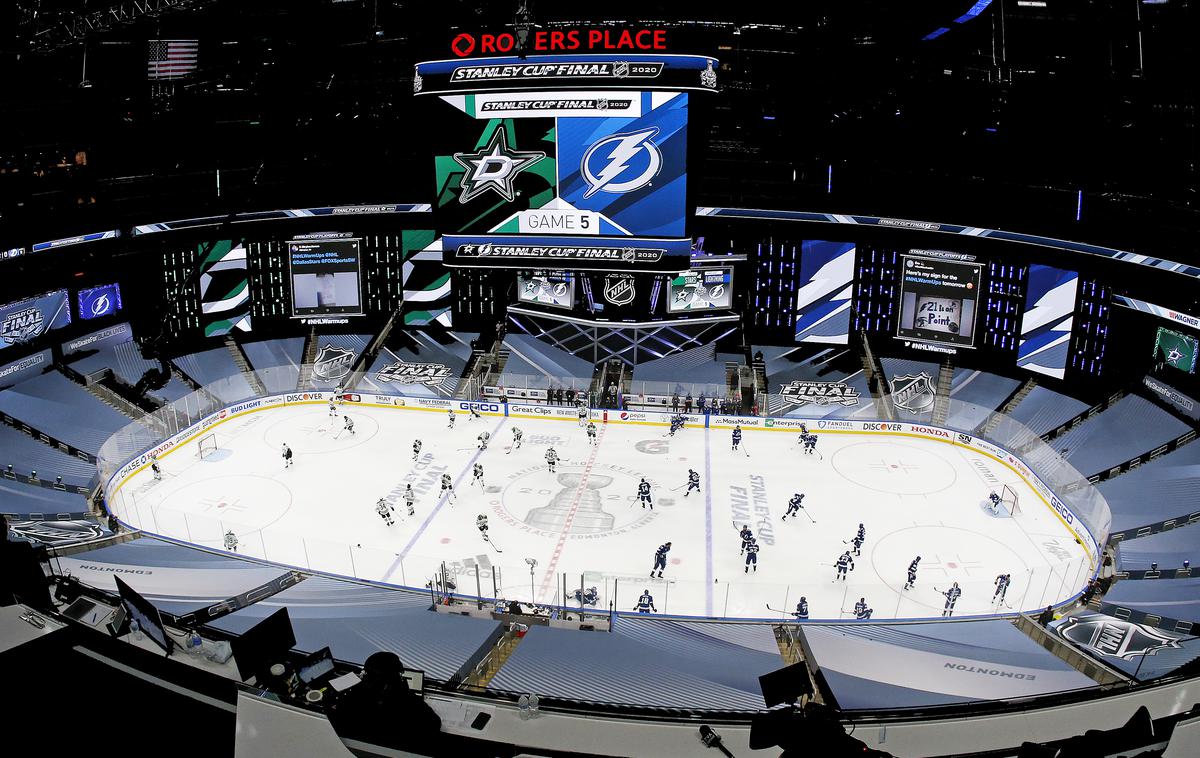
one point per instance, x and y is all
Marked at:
(747, 536)
(912, 573)
(676, 425)
(693, 482)
(1002, 583)
(810, 444)
(803, 428)
(751, 555)
(801, 612)
(587, 597)
(645, 603)
(660, 559)
(737, 436)
(951, 598)
(794, 505)
(844, 564)
(416, 448)
(644, 493)
(861, 611)
(859, 539)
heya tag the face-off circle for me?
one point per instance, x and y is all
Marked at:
(893, 468)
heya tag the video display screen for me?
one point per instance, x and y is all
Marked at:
(553, 288)
(1176, 349)
(701, 290)
(325, 277)
(100, 301)
(938, 300)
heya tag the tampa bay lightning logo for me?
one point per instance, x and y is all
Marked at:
(101, 305)
(622, 163)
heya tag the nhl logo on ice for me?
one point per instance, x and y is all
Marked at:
(332, 363)
(619, 290)
(1114, 637)
(22, 326)
(913, 393)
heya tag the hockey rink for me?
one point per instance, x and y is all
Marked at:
(583, 523)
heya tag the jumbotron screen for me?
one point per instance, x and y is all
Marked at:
(552, 288)
(701, 290)
(938, 299)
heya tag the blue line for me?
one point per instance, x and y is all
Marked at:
(442, 501)
(708, 545)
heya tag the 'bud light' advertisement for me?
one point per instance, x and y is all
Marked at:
(101, 301)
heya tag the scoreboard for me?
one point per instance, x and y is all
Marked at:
(573, 161)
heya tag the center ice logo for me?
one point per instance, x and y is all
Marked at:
(332, 363)
(590, 516)
(22, 326)
(913, 393)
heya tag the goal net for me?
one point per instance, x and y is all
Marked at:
(1008, 500)
(206, 445)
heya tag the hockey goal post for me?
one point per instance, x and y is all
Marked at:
(1009, 500)
(206, 445)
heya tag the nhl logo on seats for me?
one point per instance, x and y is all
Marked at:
(332, 363)
(619, 290)
(913, 393)
(1114, 637)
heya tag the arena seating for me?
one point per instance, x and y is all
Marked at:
(1168, 549)
(282, 357)
(453, 355)
(54, 404)
(894, 367)
(974, 394)
(1043, 410)
(23, 499)
(1169, 598)
(125, 360)
(620, 668)
(534, 363)
(1156, 491)
(210, 366)
(1128, 428)
(698, 365)
(27, 454)
(355, 344)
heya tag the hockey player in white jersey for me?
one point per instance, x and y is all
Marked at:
(416, 448)
(517, 435)
(482, 525)
(693, 482)
(332, 407)
(583, 414)
(348, 424)
(385, 511)
(155, 468)
(551, 459)
(483, 439)
(591, 432)
(231, 541)
(287, 456)
(409, 498)
(450, 416)
(477, 473)
(448, 486)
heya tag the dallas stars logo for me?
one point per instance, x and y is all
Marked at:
(1174, 355)
(493, 167)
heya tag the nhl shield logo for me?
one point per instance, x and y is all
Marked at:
(56, 532)
(602, 103)
(913, 393)
(620, 69)
(332, 363)
(1113, 637)
(619, 290)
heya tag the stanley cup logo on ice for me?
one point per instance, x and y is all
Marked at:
(589, 518)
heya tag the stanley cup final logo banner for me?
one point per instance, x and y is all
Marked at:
(25, 320)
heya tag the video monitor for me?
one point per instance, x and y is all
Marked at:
(553, 288)
(938, 300)
(1176, 349)
(326, 276)
(264, 644)
(141, 610)
(706, 289)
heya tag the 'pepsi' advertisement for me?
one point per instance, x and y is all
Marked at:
(101, 301)
(25, 320)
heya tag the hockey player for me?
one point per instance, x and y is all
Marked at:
(794, 505)
(803, 428)
(992, 496)
(474, 413)
(693, 482)
(844, 564)
(332, 407)
(155, 468)
(591, 432)
(737, 436)
(912, 573)
(409, 498)
(517, 434)
(861, 611)
(951, 598)
(752, 555)
(587, 597)
(660, 559)
(450, 418)
(349, 425)
(645, 603)
(478, 475)
(810, 444)
(384, 510)
(287, 456)
(859, 539)
(482, 525)
(551, 459)
(231, 541)
(801, 612)
(483, 439)
(746, 536)
(416, 448)
(448, 486)
(583, 414)
(1002, 583)
(644, 493)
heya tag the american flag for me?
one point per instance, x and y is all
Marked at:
(171, 58)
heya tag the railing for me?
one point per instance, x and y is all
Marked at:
(481, 574)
